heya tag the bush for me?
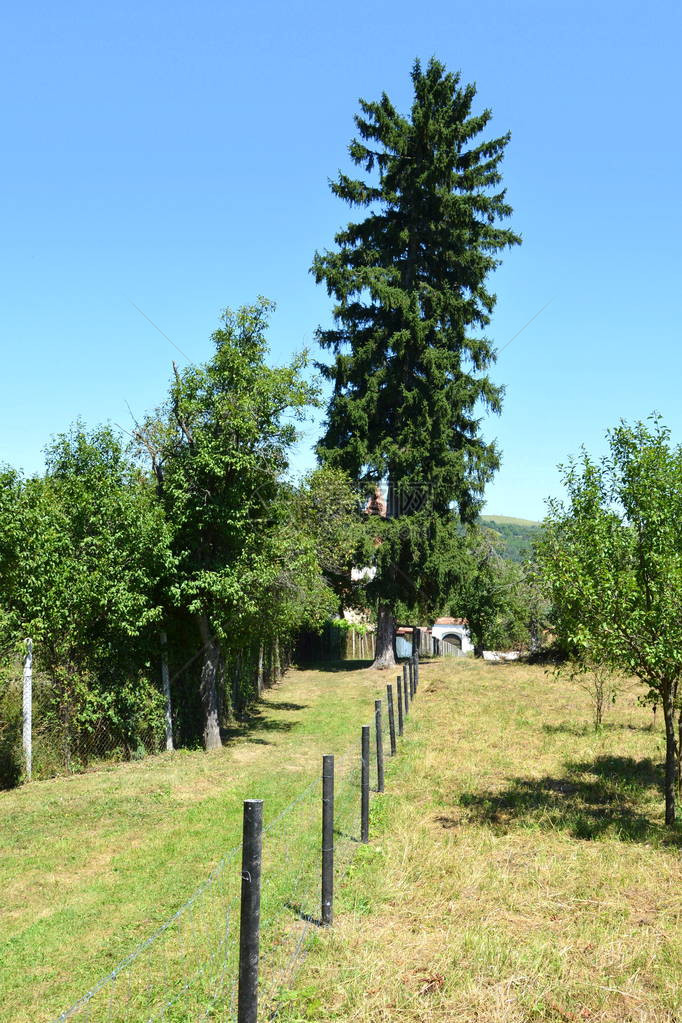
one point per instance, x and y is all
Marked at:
(10, 733)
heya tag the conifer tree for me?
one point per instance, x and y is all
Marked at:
(410, 360)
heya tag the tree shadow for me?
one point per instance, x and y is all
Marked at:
(255, 721)
(336, 666)
(284, 705)
(604, 797)
(584, 729)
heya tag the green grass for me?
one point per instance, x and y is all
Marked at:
(92, 864)
(519, 868)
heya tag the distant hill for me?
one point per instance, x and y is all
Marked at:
(518, 534)
(507, 520)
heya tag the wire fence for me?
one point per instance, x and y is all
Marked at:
(76, 723)
(188, 968)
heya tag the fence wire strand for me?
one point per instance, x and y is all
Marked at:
(194, 974)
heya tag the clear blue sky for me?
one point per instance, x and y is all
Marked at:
(176, 156)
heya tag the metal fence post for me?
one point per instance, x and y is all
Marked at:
(327, 838)
(380, 745)
(400, 705)
(391, 718)
(410, 675)
(406, 693)
(416, 671)
(249, 929)
(364, 786)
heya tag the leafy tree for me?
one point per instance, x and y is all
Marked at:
(497, 596)
(410, 357)
(328, 508)
(612, 561)
(218, 449)
(83, 552)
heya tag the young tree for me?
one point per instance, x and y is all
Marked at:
(218, 449)
(612, 561)
(410, 359)
(595, 675)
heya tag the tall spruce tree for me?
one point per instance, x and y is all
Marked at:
(410, 356)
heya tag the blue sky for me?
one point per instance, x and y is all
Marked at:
(176, 158)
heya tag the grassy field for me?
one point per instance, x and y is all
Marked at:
(92, 864)
(518, 869)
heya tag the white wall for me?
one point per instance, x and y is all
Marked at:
(438, 631)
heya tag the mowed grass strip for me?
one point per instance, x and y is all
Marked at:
(92, 864)
(518, 867)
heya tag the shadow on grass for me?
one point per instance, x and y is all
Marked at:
(585, 729)
(255, 721)
(347, 836)
(296, 908)
(283, 705)
(603, 797)
(335, 666)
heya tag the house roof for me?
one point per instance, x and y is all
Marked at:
(451, 621)
(376, 505)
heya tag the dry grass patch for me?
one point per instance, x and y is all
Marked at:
(519, 869)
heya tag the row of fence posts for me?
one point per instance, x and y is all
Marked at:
(252, 840)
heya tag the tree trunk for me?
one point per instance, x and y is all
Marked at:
(598, 712)
(209, 685)
(670, 756)
(277, 668)
(259, 677)
(237, 695)
(384, 656)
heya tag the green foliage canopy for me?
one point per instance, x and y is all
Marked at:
(84, 553)
(409, 372)
(611, 558)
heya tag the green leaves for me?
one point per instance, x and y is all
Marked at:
(85, 553)
(612, 556)
(220, 444)
(408, 366)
